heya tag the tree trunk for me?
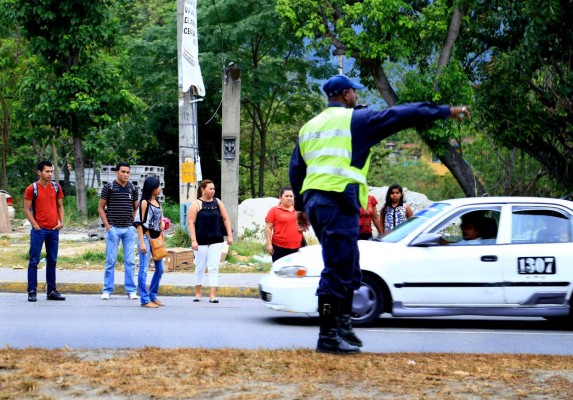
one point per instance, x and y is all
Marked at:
(55, 162)
(81, 200)
(5, 124)
(456, 164)
(263, 159)
(252, 161)
(451, 37)
(66, 170)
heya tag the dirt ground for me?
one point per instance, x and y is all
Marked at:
(152, 373)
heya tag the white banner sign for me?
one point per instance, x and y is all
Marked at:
(190, 50)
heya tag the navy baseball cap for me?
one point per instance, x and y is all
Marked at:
(338, 83)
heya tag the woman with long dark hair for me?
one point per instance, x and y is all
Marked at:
(395, 210)
(149, 225)
(208, 223)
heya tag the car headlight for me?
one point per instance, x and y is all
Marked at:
(292, 272)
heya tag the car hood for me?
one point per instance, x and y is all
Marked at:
(310, 257)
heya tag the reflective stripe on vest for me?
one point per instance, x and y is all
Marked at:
(326, 146)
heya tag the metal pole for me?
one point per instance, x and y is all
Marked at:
(188, 142)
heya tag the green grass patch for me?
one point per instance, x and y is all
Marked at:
(95, 256)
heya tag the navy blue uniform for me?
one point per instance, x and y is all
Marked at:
(335, 216)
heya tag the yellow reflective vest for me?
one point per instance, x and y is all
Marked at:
(325, 144)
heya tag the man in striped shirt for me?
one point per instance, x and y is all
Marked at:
(117, 205)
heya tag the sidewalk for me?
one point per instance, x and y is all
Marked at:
(90, 282)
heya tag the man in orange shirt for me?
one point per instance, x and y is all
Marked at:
(44, 208)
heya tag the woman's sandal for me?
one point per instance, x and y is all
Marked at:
(196, 300)
(213, 301)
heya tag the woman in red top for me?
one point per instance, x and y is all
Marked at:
(281, 230)
(367, 217)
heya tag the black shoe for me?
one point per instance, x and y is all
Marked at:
(333, 344)
(328, 339)
(32, 296)
(346, 332)
(55, 295)
(350, 337)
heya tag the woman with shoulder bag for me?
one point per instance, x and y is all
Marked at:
(149, 226)
(208, 225)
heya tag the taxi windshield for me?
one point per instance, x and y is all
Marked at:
(420, 218)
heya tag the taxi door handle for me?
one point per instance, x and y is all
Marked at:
(489, 258)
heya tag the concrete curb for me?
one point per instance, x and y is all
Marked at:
(164, 290)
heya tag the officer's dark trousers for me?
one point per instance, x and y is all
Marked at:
(336, 227)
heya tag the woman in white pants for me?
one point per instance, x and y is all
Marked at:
(208, 223)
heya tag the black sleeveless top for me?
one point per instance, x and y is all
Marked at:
(209, 223)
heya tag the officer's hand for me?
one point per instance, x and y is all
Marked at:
(460, 112)
(302, 221)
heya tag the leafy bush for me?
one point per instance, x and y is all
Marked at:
(179, 238)
(257, 231)
(171, 210)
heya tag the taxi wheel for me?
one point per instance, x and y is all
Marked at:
(368, 302)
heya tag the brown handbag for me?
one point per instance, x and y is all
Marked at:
(158, 250)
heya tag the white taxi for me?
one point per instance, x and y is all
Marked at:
(521, 265)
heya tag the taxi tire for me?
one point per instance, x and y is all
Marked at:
(368, 302)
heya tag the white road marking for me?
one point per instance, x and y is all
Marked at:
(473, 332)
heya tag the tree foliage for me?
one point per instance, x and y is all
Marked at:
(77, 86)
(96, 82)
(523, 64)
(381, 33)
(278, 77)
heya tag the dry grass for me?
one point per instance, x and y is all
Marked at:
(153, 373)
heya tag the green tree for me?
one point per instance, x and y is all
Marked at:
(77, 87)
(522, 52)
(381, 33)
(278, 75)
(12, 67)
(151, 62)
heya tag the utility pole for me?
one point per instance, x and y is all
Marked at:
(190, 83)
(231, 124)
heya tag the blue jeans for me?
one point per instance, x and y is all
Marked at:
(127, 236)
(37, 240)
(144, 295)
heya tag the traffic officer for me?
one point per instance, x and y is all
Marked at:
(328, 172)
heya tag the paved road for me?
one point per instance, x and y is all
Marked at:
(85, 321)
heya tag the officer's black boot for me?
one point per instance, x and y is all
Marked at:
(328, 339)
(344, 325)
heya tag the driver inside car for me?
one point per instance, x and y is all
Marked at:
(472, 228)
